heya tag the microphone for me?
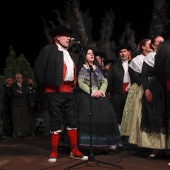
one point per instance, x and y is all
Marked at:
(74, 41)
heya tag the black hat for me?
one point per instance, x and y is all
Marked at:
(60, 30)
(100, 53)
(123, 46)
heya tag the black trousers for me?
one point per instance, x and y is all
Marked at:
(62, 110)
(7, 120)
(118, 102)
(20, 120)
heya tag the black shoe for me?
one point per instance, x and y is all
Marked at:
(163, 155)
(155, 156)
(14, 136)
(3, 137)
(152, 157)
(119, 146)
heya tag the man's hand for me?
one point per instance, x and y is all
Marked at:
(18, 91)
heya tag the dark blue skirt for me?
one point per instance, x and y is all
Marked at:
(96, 119)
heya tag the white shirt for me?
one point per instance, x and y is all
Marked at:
(69, 63)
(19, 84)
(126, 77)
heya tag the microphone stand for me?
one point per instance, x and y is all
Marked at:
(91, 156)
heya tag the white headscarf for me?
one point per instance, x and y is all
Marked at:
(137, 62)
(150, 59)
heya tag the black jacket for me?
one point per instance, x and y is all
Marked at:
(48, 68)
(162, 63)
(115, 78)
(20, 99)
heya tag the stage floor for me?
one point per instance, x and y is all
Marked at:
(32, 154)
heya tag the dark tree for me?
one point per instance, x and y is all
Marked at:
(81, 24)
(16, 64)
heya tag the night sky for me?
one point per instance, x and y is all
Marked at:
(22, 26)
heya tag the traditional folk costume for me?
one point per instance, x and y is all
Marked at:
(133, 114)
(135, 77)
(153, 124)
(56, 70)
(105, 130)
(148, 128)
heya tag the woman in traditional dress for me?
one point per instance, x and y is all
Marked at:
(96, 114)
(153, 123)
(135, 68)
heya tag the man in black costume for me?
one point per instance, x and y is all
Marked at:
(56, 70)
(162, 70)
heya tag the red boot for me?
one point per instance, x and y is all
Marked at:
(54, 147)
(75, 153)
